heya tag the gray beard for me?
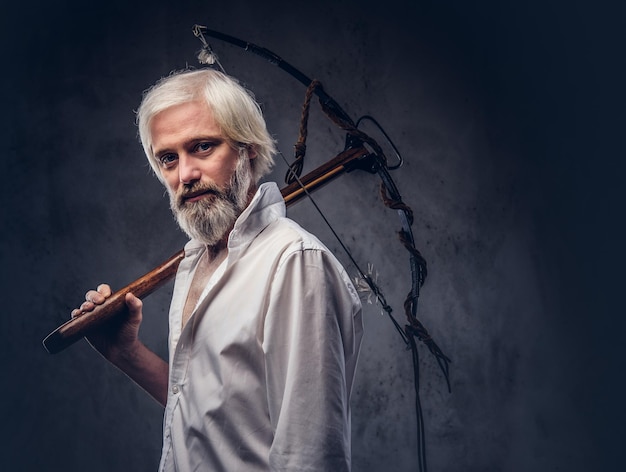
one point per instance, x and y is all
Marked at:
(209, 219)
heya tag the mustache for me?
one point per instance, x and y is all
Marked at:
(198, 188)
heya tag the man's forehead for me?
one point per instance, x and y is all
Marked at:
(183, 121)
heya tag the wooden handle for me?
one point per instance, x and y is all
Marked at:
(82, 325)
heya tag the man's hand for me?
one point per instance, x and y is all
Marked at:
(118, 342)
(119, 337)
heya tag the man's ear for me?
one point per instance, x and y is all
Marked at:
(251, 151)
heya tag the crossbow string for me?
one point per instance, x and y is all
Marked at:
(376, 162)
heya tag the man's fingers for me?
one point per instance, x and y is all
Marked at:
(86, 306)
(93, 298)
(133, 303)
(104, 290)
(96, 297)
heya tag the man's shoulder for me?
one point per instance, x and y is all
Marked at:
(285, 232)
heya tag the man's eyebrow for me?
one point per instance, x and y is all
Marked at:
(190, 142)
(207, 137)
(158, 153)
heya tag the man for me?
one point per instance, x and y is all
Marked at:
(265, 326)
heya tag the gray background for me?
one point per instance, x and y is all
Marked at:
(510, 116)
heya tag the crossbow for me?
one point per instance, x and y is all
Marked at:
(361, 152)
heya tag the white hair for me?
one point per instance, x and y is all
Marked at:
(234, 109)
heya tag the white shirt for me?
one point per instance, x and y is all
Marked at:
(261, 375)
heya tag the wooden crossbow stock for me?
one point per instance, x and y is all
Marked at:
(114, 306)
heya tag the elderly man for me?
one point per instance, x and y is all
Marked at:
(265, 326)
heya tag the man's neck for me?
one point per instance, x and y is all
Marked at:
(216, 249)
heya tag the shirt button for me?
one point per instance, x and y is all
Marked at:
(175, 389)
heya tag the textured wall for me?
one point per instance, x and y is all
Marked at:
(507, 118)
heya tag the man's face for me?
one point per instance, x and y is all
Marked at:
(207, 180)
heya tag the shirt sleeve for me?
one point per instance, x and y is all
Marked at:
(311, 341)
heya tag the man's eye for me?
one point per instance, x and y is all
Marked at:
(167, 160)
(205, 146)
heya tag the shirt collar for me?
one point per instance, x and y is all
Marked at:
(266, 206)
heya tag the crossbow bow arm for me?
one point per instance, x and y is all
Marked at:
(199, 31)
(375, 163)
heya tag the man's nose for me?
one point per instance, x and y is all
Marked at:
(188, 170)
